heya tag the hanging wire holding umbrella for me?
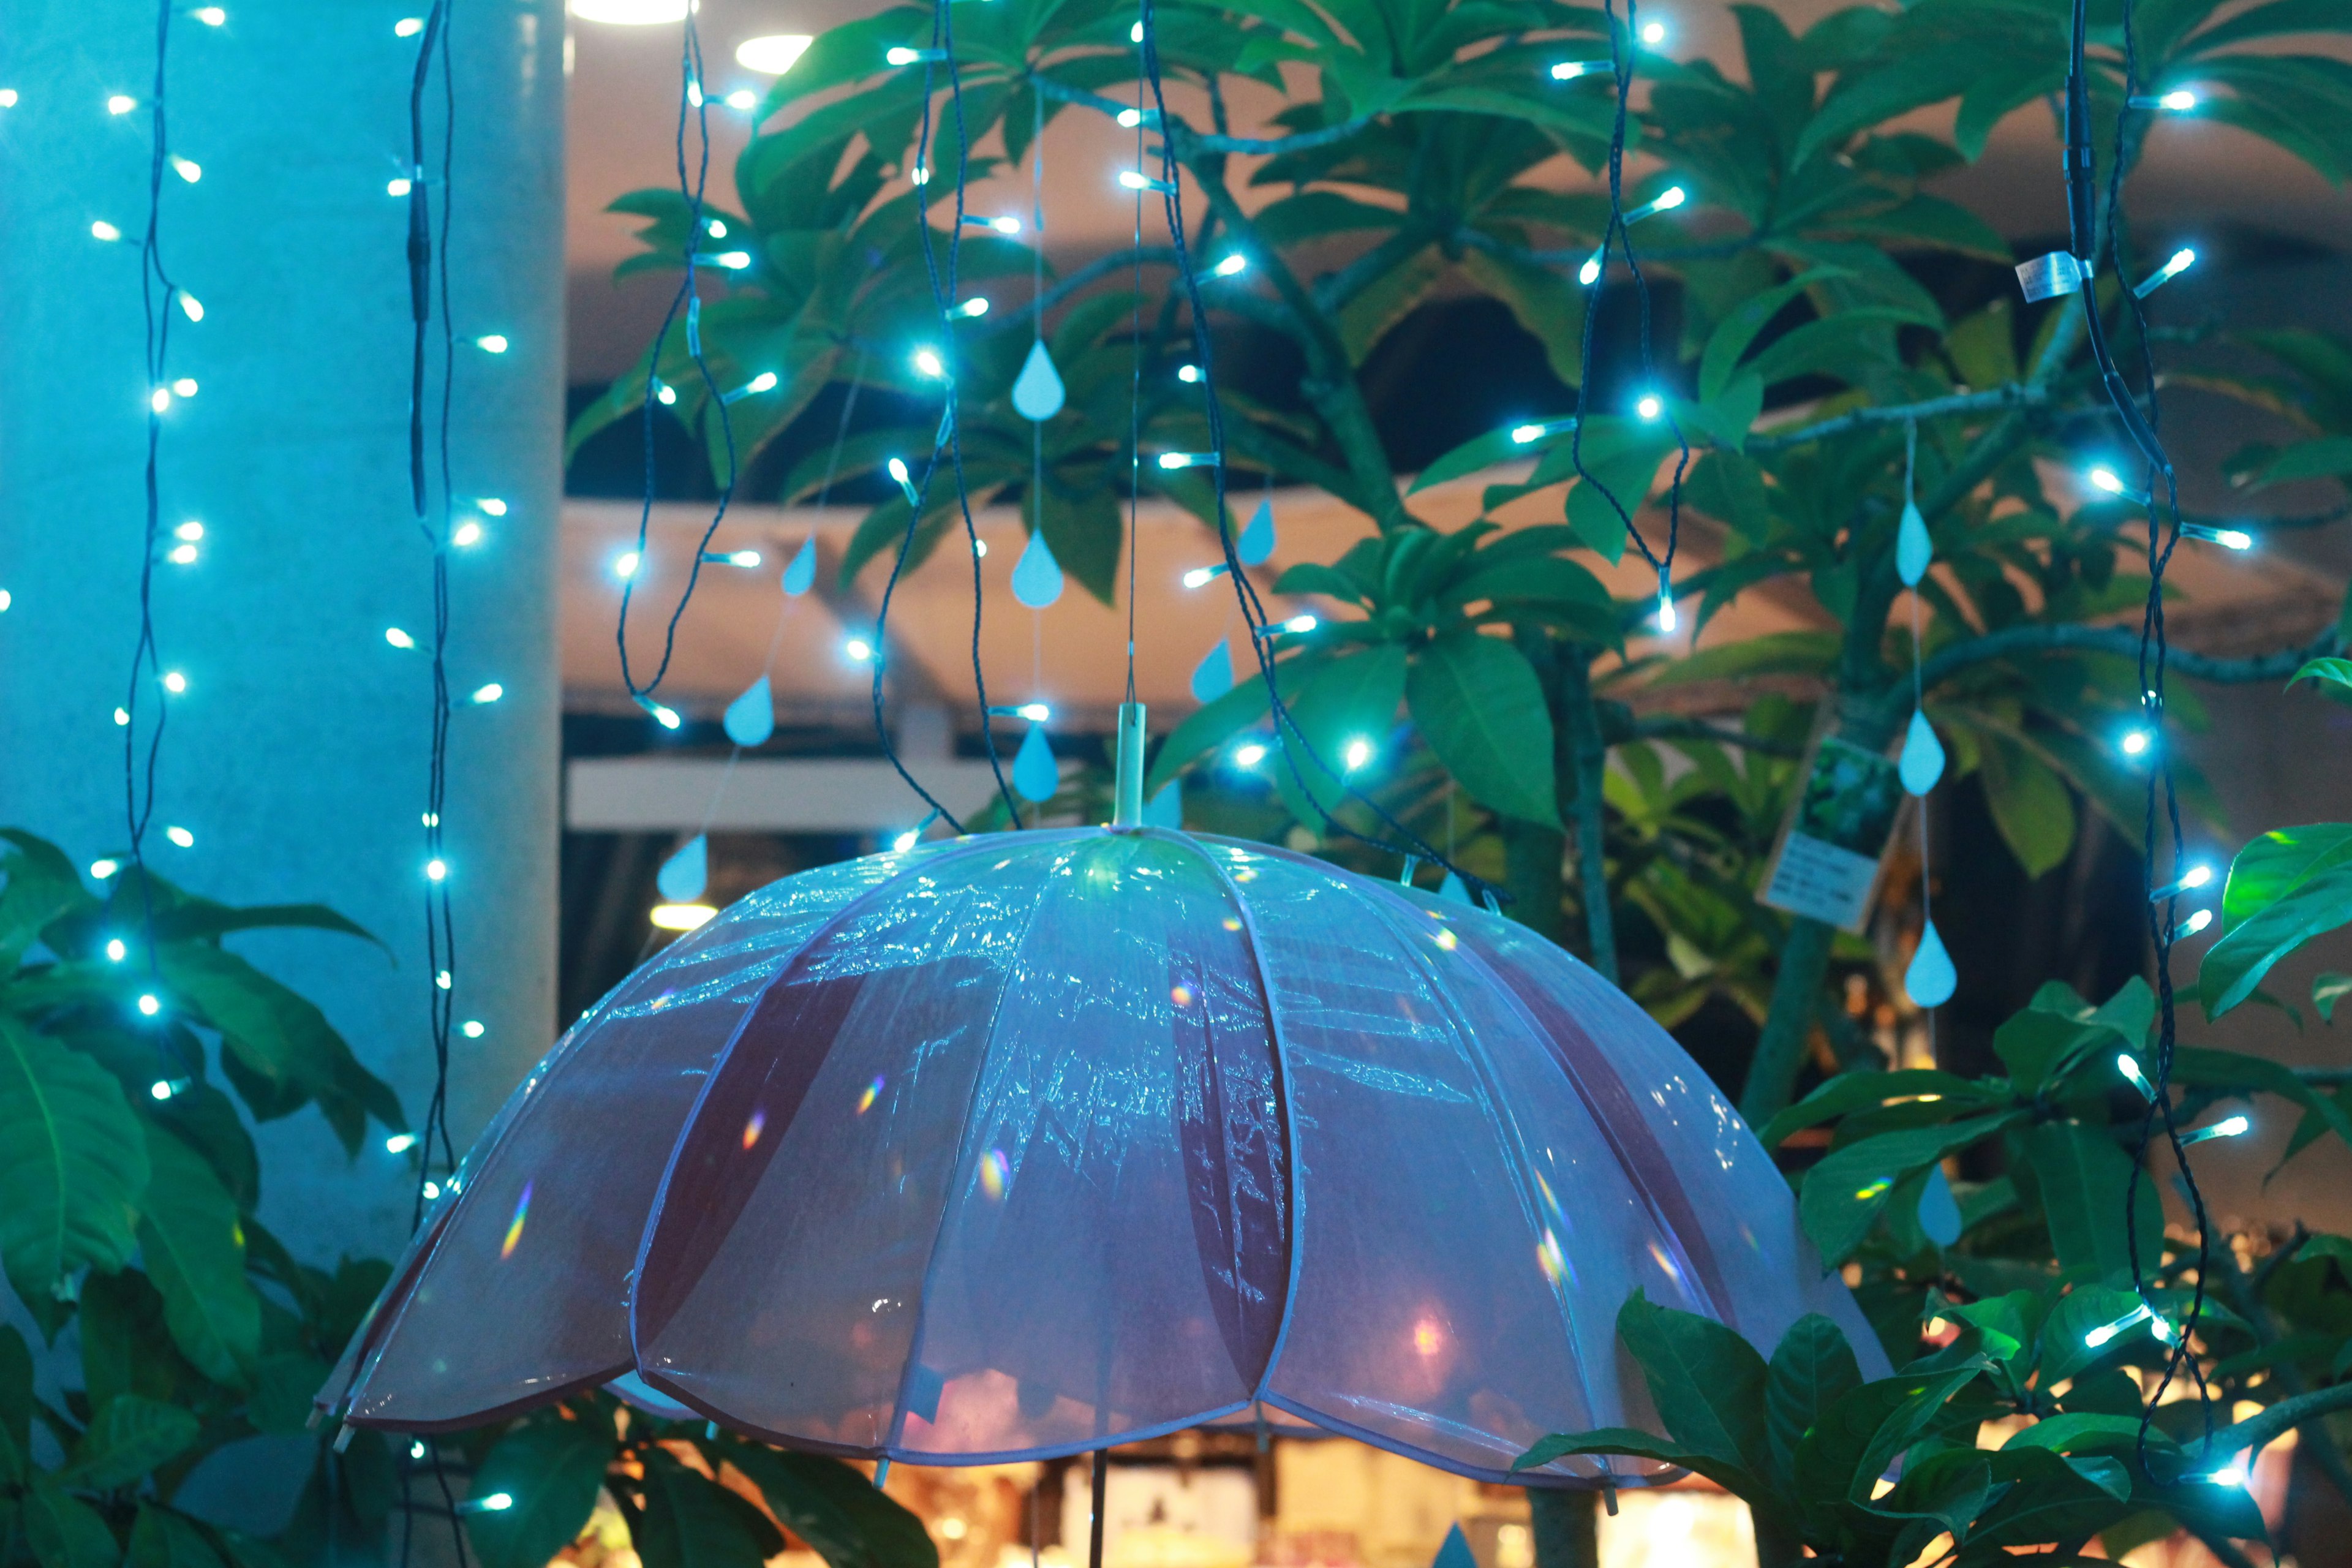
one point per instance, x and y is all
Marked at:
(1024, 1145)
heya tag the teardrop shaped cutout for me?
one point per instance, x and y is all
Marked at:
(751, 718)
(1939, 1212)
(1913, 550)
(1930, 982)
(1037, 576)
(684, 874)
(1165, 809)
(1923, 756)
(1214, 676)
(1038, 393)
(801, 575)
(1036, 775)
(1256, 541)
(1452, 889)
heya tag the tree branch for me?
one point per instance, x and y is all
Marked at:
(1117, 261)
(2014, 394)
(2123, 642)
(1673, 727)
(2258, 1431)
(1189, 141)
(1333, 290)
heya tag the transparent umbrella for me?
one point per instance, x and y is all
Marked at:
(1025, 1144)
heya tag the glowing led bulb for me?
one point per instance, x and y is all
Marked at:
(733, 260)
(975, 306)
(743, 558)
(180, 838)
(408, 27)
(7, 98)
(1666, 617)
(1005, 225)
(160, 400)
(771, 54)
(2193, 925)
(121, 103)
(121, 717)
(102, 869)
(182, 555)
(161, 1089)
(2136, 742)
(150, 1005)
(210, 15)
(743, 98)
(464, 533)
(2228, 1127)
(1135, 33)
(624, 564)
(437, 870)
(491, 343)
(1568, 70)
(1358, 752)
(1232, 266)
(472, 1029)
(175, 682)
(397, 638)
(115, 950)
(1249, 754)
(1188, 374)
(902, 56)
(857, 650)
(1135, 181)
(1590, 273)
(397, 187)
(492, 505)
(2195, 876)
(191, 307)
(2227, 538)
(2125, 1065)
(1650, 407)
(664, 394)
(2179, 261)
(489, 693)
(905, 841)
(1036, 712)
(1202, 576)
(1300, 624)
(187, 169)
(101, 229)
(2180, 100)
(1653, 33)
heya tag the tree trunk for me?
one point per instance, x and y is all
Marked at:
(1584, 754)
(1567, 1527)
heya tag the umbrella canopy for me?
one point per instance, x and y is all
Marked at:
(1024, 1144)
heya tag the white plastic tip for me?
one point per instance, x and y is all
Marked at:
(1568, 70)
(101, 229)
(666, 717)
(2129, 1068)
(1133, 180)
(927, 362)
(182, 555)
(7, 98)
(2182, 261)
(743, 558)
(210, 15)
(1590, 273)
(1650, 407)
(180, 838)
(2105, 480)
(492, 505)
(626, 564)
(2230, 1127)
(1129, 119)
(2230, 1475)
(115, 950)
(2233, 538)
(1300, 624)
(489, 693)
(680, 917)
(432, 1191)
(975, 306)
(1175, 459)
(408, 27)
(773, 54)
(2106, 1332)
(465, 533)
(1653, 33)
(437, 870)
(400, 1144)
(397, 187)
(185, 387)
(397, 638)
(905, 841)
(416, 1449)
(102, 869)
(2180, 100)
(733, 260)
(160, 399)
(1670, 198)
(1135, 33)
(919, 176)
(491, 343)
(187, 169)
(150, 1005)
(190, 529)
(1005, 225)
(191, 307)
(1036, 712)
(763, 382)
(902, 55)
(175, 682)
(898, 470)
(858, 649)
(664, 394)
(2197, 876)
(161, 1089)
(2136, 742)
(743, 98)
(498, 1502)
(121, 103)
(1358, 752)
(1232, 266)
(2193, 925)
(1200, 576)
(980, 547)
(1667, 620)
(1524, 434)
(1249, 756)
(121, 717)
(472, 1029)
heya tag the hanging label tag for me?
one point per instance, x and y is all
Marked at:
(2047, 276)
(1833, 843)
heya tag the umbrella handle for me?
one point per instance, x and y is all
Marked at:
(1129, 812)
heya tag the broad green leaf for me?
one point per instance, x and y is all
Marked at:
(161, 1538)
(64, 1531)
(1480, 706)
(835, 1510)
(1478, 452)
(1542, 301)
(1774, 653)
(1353, 696)
(1842, 1195)
(2284, 888)
(1639, 1444)
(190, 1240)
(1367, 318)
(1213, 723)
(2082, 1177)
(1862, 1432)
(551, 1464)
(1852, 1091)
(1727, 344)
(72, 1164)
(127, 1437)
(691, 1521)
(1811, 1369)
(2327, 672)
(1706, 1381)
(2063, 1347)
(2324, 457)
(283, 1038)
(2031, 805)
(2065, 1431)
(38, 885)
(2328, 989)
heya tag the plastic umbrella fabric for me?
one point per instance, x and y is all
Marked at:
(1025, 1144)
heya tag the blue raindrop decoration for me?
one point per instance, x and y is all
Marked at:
(1456, 1552)
(1939, 1212)
(684, 874)
(1452, 889)
(1165, 809)
(1256, 541)
(1035, 773)
(800, 577)
(1037, 576)
(1037, 392)
(1214, 676)
(751, 718)
(1923, 756)
(1930, 981)
(1912, 549)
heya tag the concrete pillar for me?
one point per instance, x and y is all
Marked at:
(298, 755)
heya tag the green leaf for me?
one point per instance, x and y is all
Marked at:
(2031, 805)
(1352, 695)
(15, 1407)
(283, 1038)
(835, 1510)
(66, 1532)
(1852, 1091)
(1639, 1444)
(1727, 344)
(2060, 1433)
(1542, 301)
(163, 1539)
(127, 1437)
(1862, 1432)
(2328, 989)
(190, 1240)
(1811, 1369)
(2083, 1176)
(551, 1466)
(2325, 673)
(1842, 1195)
(2284, 887)
(72, 1164)
(691, 1521)
(1478, 452)
(1213, 723)
(42, 884)
(1773, 653)
(1480, 706)
(1706, 1381)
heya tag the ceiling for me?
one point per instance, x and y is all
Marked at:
(624, 109)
